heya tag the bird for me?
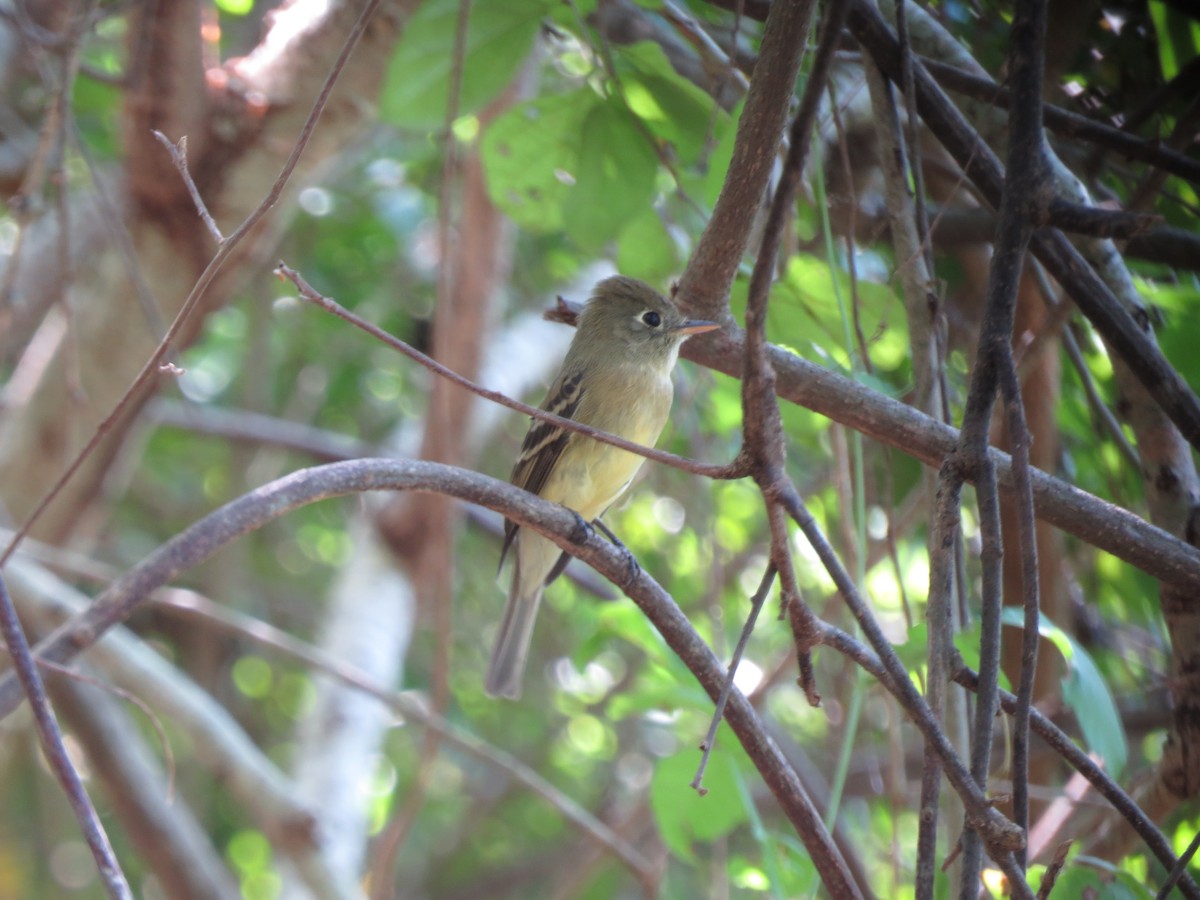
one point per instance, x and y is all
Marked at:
(616, 377)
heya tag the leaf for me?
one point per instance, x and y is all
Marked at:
(1178, 38)
(645, 249)
(683, 816)
(614, 179)
(672, 108)
(1085, 691)
(530, 155)
(499, 38)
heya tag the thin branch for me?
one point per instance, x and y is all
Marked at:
(31, 685)
(1070, 124)
(1179, 870)
(710, 739)
(178, 153)
(1001, 836)
(896, 424)
(1057, 740)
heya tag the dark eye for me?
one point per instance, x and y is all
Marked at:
(652, 318)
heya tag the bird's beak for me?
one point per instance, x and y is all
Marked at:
(697, 326)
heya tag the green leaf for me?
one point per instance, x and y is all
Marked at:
(645, 250)
(1085, 691)
(672, 108)
(721, 156)
(235, 7)
(683, 816)
(1178, 38)
(614, 179)
(499, 38)
(530, 154)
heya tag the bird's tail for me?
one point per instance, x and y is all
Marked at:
(506, 671)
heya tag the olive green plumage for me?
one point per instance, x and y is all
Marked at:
(616, 377)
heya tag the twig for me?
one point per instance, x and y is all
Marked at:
(1053, 870)
(164, 742)
(224, 253)
(1001, 835)
(178, 153)
(710, 739)
(710, 52)
(1179, 870)
(894, 423)
(1070, 124)
(56, 753)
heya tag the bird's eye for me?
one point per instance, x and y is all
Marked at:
(652, 318)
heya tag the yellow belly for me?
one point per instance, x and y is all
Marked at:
(590, 476)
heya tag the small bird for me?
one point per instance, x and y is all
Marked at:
(616, 377)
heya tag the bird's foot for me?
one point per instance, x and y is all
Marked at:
(631, 563)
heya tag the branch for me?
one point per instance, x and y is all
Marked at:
(1068, 123)
(1126, 336)
(1059, 741)
(563, 527)
(704, 287)
(27, 681)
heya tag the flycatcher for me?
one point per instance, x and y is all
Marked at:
(617, 378)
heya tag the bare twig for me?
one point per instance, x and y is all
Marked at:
(178, 153)
(56, 753)
(756, 604)
(1179, 870)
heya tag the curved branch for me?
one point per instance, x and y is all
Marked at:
(565, 528)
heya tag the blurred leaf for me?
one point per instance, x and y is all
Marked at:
(683, 816)
(614, 177)
(718, 159)
(645, 249)
(530, 154)
(1086, 692)
(1178, 37)
(499, 38)
(672, 108)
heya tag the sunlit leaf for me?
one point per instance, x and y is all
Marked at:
(614, 176)
(1086, 692)
(499, 38)
(530, 155)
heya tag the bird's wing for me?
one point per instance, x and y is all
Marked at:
(544, 445)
